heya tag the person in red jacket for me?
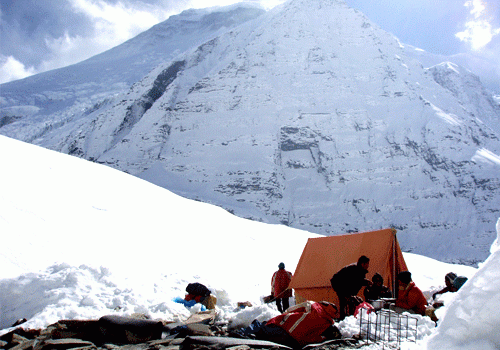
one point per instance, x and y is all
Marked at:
(280, 291)
(410, 298)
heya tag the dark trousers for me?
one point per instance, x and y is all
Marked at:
(343, 305)
(348, 304)
(282, 304)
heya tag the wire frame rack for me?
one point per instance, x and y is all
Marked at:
(387, 327)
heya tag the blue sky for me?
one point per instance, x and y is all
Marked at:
(39, 35)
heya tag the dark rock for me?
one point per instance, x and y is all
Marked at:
(195, 342)
(19, 322)
(192, 329)
(127, 330)
(20, 332)
(62, 344)
(79, 329)
(28, 344)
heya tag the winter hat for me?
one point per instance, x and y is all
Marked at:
(450, 277)
(281, 266)
(459, 282)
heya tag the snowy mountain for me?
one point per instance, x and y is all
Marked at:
(311, 116)
(469, 91)
(481, 66)
(466, 86)
(57, 96)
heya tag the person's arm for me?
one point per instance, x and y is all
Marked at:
(386, 293)
(412, 300)
(273, 282)
(366, 294)
(442, 291)
(403, 303)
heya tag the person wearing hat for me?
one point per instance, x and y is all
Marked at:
(280, 291)
(453, 284)
(448, 281)
(458, 283)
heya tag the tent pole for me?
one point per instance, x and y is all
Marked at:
(394, 262)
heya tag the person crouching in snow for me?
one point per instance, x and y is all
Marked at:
(453, 284)
(279, 284)
(410, 298)
(448, 281)
(199, 293)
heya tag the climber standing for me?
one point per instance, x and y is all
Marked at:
(280, 291)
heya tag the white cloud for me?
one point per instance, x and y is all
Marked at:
(112, 25)
(11, 69)
(478, 29)
(115, 23)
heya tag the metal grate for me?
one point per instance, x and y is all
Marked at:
(388, 327)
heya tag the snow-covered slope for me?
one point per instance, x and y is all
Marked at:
(75, 244)
(310, 116)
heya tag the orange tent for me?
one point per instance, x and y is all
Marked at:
(324, 256)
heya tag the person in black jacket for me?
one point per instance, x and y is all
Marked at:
(348, 281)
(377, 290)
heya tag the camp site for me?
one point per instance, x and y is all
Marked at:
(104, 292)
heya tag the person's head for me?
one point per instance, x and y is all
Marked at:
(377, 279)
(281, 266)
(449, 278)
(364, 262)
(404, 277)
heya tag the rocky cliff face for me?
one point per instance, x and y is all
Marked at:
(312, 117)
